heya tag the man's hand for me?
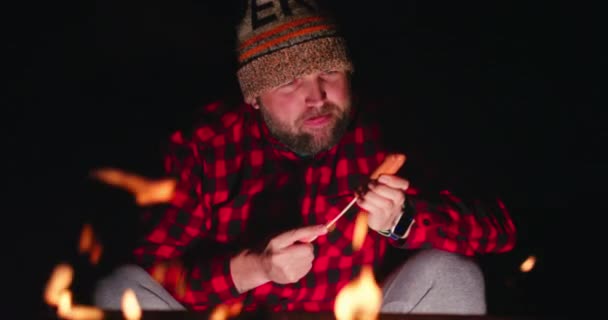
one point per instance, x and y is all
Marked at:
(287, 258)
(383, 201)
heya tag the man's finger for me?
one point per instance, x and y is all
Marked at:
(394, 182)
(393, 195)
(305, 234)
(371, 202)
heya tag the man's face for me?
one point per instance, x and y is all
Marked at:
(309, 114)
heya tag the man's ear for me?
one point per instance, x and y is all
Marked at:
(255, 103)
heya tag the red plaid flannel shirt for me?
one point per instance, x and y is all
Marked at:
(237, 186)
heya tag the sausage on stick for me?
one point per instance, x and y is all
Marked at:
(390, 165)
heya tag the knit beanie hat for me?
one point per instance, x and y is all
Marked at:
(280, 40)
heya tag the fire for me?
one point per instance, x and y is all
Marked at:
(80, 312)
(89, 244)
(57, 294)
(360, 231)
(160, 271)
(64, 304)
(528, 264)
(360, 299)
(86, 239)
(223, 312)
(65, 309)
(95, 255)
(146, 191)
(180, 286)
(130, 306)
(60, 280)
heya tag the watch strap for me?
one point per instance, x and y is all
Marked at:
(402, 227)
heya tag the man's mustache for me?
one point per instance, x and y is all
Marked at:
(326, 109)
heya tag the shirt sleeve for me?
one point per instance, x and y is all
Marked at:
(451, 224)
(197, 284)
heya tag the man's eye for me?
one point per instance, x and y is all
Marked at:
(289, 84)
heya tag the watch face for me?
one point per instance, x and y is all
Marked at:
(402, 225)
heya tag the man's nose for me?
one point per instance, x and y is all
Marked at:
(315, 92)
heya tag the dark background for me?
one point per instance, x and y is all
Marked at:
(477, 86)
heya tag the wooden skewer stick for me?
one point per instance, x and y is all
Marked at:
(390, 165)
(350, 204)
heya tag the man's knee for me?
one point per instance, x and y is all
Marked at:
(447, 266)
(435, 281)
(108, 291)
(150, 294)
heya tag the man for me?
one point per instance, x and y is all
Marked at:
(258, 183)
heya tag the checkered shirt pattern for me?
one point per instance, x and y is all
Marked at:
(238, 186)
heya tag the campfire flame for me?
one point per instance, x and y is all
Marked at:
(80, 312)
(95, 255)
(360, 299)
(223, 312)
(160, 270)
(146, 191)
(360, 231)
(65, 309)
(64, 305)
(86, 239)
(57, 294)
(130, 306)
(528, 264)
(60, 280)
(180, 286)
(89, 244)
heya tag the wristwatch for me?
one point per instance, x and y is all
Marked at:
(402, 228)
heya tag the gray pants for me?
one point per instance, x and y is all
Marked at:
(431, 281)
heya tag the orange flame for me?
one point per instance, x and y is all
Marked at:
(95, 255)
(130, 306)
(60, 280)
(89, 244)
(360, 231)
(180, 286)
(64, 306)
(80, 312)
(528, 264)
(360, 299)
(86, 239)
(146, 191)
(160, 271)
(65, 309)
(223, 312)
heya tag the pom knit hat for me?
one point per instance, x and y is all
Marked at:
(279, 40)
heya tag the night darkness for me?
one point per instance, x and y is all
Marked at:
(475, 85)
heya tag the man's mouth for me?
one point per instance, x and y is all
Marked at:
(318, 121)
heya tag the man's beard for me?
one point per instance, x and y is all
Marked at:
(306, 143)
